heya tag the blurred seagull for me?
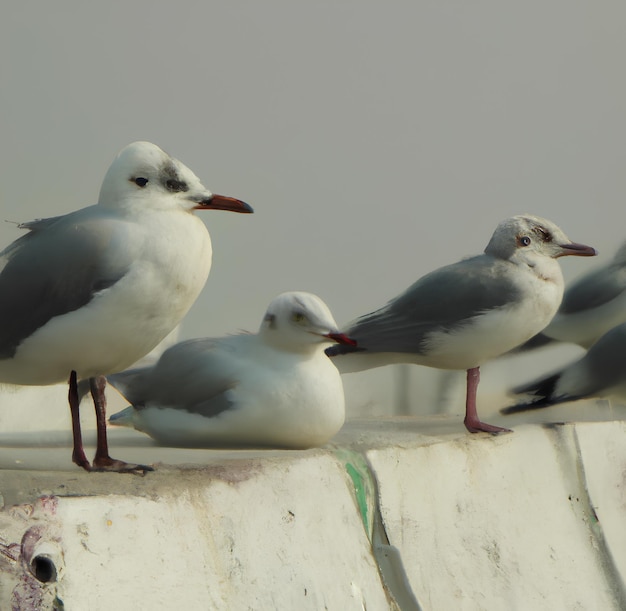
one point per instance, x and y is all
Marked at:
(89, 293)
(600, 373)
(591, 306)
(276, 388)
(465, 314)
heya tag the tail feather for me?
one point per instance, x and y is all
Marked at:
(129, 383)
(339, 349)
(123, 418)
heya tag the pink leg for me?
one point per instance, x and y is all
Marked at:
(472, 422)
(78, 454)
(102, 461)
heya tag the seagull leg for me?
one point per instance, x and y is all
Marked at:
(102, 461)
(78, 453)
(472, 422)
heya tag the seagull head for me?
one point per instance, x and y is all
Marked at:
(144, 175)
(527, 239)
(300, 322)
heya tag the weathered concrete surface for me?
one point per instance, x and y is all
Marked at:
(395, 511)
(257, 532)
(512, 522)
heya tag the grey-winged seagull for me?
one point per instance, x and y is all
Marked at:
(89, 293)
(464, 314)
(274, 388)
(600, 373)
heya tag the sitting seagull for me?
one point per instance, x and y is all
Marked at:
(91, 292)
(591, 306)
(464, 314)
(275, 388)
(600, 373)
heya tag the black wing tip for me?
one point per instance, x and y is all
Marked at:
(542, 390)
(525, 407)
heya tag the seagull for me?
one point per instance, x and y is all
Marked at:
(467, 313)
(600, 373)
(276, 388)
(89, 293)
(591, 306)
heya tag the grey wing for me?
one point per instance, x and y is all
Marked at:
(601, 368)
(190, 376)
(39, 224)
(443, 300)
(594, 290)
(56, 268)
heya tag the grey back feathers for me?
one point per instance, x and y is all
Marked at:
(403, 325)
(54, 269)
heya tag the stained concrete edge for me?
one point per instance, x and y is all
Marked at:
(396, 513)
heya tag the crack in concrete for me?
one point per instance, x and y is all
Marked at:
(387, 556)
(614, 578)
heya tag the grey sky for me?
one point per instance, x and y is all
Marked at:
(375, 140)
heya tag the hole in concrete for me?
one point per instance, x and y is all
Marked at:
(43, 569)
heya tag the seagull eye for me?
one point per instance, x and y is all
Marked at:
(140, 181)
(523, 240)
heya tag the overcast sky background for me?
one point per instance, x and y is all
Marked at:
(376, 141)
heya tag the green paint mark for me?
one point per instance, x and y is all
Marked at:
(357, 468)
(359, 490)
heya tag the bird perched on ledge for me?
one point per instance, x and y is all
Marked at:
(276, 388)
(89, 293)
(465, 314)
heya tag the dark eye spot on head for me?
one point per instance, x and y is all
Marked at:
(176, 186)
(523, 240)
(170, 179)
(140, 181)
(543, 234)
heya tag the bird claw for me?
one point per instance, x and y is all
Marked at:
(112, 465)
(476, 426)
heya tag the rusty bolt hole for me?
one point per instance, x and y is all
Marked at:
(43, 569)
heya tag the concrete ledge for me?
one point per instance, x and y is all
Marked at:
(397, 513)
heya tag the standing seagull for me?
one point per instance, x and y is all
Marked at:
(591, 306)
(465, 314)
(275, 388)
(89, 293)
(600, 373)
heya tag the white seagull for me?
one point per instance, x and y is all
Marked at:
(462, 315)
(600, 373)
(275, 388)
(591, 306)
(91, 292)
